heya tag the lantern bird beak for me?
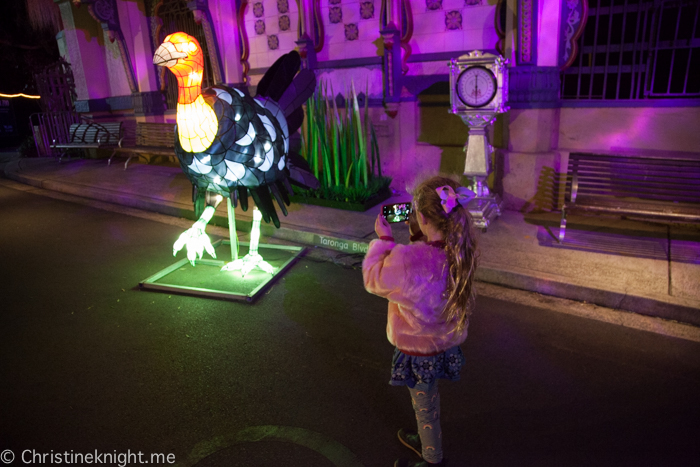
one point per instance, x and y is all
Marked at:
(167, 55)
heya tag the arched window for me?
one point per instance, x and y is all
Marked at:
(171, 16)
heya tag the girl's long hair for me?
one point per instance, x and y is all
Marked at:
(460, 245)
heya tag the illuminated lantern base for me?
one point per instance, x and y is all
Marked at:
(210, 279)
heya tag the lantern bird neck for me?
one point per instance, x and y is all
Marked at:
(189, 87)
(196, 121)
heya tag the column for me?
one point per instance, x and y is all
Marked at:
(531, 163)
(224, 18)
(84, 41)
(148, 100)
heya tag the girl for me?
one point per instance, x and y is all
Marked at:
(429, 287)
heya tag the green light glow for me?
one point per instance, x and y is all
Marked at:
(253, 258)
(195, 239)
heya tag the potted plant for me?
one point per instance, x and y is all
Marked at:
(342, 151)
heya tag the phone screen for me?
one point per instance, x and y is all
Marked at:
(396, 212)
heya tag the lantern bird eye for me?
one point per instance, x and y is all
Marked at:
(192, 47)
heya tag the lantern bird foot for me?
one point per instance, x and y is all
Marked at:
(248, 263)
(195, 239)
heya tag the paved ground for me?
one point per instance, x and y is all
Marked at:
(636, 266)
(89, 362)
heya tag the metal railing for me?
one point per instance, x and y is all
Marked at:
(50, 127)
(636, 49)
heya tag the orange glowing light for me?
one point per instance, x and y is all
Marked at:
(21, 94)
(196, 125)
(196, 121)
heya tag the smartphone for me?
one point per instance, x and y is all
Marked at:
(397, 212)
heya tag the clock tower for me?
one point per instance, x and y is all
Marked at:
(478, 93)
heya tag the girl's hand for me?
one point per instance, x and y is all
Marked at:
(382, 227)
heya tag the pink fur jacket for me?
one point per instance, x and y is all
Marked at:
(413, 277)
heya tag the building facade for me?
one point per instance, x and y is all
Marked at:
(585, 75)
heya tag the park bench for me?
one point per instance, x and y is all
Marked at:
(151, 138)
(88, 134)
(649, 187)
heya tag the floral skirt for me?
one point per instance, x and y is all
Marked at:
(407, 370)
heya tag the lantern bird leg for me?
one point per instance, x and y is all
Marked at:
(253, 259)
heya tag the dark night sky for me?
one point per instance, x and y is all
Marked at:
(24, 51)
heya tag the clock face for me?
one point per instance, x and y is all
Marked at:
(476, 86)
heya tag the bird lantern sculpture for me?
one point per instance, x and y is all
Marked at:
(230, 144)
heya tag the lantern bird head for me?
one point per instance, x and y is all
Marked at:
(180, 53)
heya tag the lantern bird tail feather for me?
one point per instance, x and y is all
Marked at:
(281, 201)
(287, 186)
(283, 192)
(261, 196)
(243, 197)
(295, 120)
(298, 92)
(300, 172)
(279, 76)
(234, 198)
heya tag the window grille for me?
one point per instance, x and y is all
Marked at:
(637, 49)
(177, 17)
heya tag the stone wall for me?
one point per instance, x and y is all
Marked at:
(534, 162)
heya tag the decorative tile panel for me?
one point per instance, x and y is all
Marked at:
(450, 27)
(269, 32)
(433, 4)
(367, 10)
(527, 28)
(284, 23)
(352, 33)
(259, 27)
(335, 14)
(453, 20)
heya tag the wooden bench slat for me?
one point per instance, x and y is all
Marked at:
(632, 167)
(635, 162)
(660, 205)
(670, 215)
(692, 197)
(642, 183)
(631, 186)
(636, 158)
(676, 172)
(152, 138)
(680, 173)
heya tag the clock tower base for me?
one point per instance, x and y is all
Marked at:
(484, 210)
